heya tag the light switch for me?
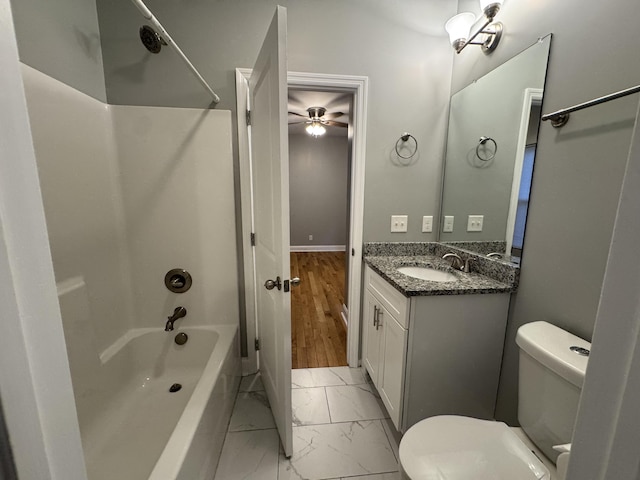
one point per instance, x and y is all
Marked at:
(399, 223)
(474, 223)
(427, 224)
(310, 237)
(447, 225)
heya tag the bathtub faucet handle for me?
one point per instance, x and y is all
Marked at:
(179, 312)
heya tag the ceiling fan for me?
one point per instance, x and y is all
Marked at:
(318, 119)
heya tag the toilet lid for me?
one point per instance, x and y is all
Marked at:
(450, 447)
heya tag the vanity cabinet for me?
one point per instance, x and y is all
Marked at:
(385, 341)
(434, 354)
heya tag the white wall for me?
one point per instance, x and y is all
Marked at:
(35, 384)
(318, 189)
(62, 39)
(177, 184)
(79, 177)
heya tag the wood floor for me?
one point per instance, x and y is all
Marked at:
(318, 334)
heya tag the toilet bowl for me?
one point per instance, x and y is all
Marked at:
(452, 447)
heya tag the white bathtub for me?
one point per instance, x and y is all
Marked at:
(133, 428)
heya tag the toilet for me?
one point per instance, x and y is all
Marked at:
(451, 447)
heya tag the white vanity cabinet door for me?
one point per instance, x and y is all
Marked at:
(371, 339)
(391, 373)
(384, 349)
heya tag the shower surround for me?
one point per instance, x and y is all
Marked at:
(130, 193)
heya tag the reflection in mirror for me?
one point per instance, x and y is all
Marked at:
(491, 145)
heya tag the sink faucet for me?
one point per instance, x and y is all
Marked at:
(179, 312)
(456, 261)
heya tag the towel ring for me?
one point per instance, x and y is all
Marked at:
(482, 141)
(405, 138)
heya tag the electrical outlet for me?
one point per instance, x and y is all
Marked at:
(447, 225)
(427, 224)
(310, 237)
(399, 223)
(474, 223)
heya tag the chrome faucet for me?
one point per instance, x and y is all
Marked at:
(179, 312)
(456, 261)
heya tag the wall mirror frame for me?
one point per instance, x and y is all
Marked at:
(490, 154)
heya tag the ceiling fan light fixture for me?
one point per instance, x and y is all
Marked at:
(316, 129)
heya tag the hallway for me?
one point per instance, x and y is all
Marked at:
(318, 333)
(340, 431)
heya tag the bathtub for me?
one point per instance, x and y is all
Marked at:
(134, 428)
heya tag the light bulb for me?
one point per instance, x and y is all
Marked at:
(315, 129)
(458, 28)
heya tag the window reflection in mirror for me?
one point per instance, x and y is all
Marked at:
(491, 145)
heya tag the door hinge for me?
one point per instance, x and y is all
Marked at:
(353, 252)
(257, 344)
(248, 117)
(253, 239)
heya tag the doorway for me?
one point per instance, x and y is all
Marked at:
(357, 87)
(319, 201)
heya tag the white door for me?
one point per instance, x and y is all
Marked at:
(270, 157)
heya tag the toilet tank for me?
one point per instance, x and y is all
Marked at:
(550, 381)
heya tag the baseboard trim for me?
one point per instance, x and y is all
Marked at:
(318, 248)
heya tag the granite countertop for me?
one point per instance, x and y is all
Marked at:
(468, 283)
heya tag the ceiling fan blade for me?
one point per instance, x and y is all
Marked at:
(336, 124)
(298, 115)
(296, 123)
(330, 116)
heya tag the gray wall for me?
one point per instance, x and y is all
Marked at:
(62, 39)
(401, 46)
(492, 107)
(579, 169)
(318, 174)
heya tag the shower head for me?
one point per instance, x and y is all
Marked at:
(151, 39)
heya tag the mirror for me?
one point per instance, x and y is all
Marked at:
(491, 143)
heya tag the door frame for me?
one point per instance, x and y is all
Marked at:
(359, 87)
(531, 97)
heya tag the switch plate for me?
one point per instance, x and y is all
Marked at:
(310, 237)
(399, 223)
(474, 223)
(427, 224)
(447, 225)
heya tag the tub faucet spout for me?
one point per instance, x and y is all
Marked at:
(179, 312)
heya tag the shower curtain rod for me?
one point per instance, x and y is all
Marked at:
(146, 13)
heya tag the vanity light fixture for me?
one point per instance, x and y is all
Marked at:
(315, 128)
(459, 28)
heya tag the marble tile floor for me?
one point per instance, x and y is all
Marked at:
(340, 431)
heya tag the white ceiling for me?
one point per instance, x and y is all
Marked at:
(300, 100)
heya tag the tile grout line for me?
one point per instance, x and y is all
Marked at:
(326, 399)
(252, 430)
(391, 444)
(332, 423)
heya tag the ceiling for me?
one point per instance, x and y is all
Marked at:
(300, 100)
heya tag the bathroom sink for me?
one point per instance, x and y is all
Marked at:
(427, 273)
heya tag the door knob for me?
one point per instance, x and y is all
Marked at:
(270, 284)
(295, 281)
